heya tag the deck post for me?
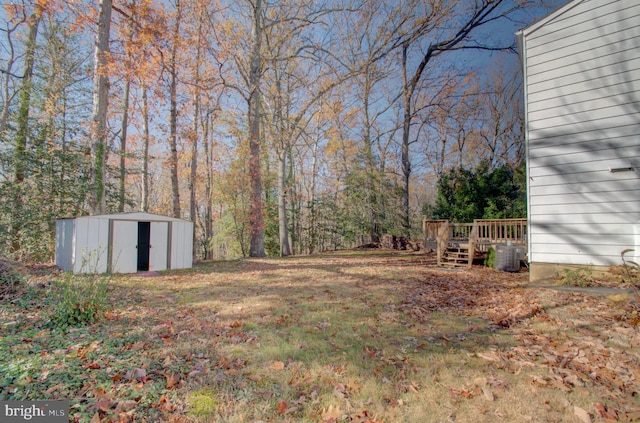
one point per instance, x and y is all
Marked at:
(442, 240)
(473, 238)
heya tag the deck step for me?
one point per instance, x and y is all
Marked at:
(453, 264)
(452, 256)
(457, 254)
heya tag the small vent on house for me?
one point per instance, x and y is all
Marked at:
(508, 257)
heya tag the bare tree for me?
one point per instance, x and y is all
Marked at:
(7, 73)
(173, 112)
(430, 28)
(256, 219)
(502, 118)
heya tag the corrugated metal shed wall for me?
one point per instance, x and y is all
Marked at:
(64, 244)
(98, 244)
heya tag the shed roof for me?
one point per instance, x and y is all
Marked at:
(134, 216)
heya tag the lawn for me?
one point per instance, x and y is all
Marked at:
(347, 336)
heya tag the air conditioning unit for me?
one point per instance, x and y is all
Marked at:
(508, 257)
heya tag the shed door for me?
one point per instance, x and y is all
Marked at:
(159, 246)
(124, 256)
(144, 245)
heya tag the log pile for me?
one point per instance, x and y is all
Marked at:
(392, 242)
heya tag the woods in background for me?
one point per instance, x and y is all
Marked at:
(278, 128)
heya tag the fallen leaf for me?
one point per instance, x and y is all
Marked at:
(539, 380)
(339, 394)
(165, 405)
(99, 393)
(292, 409)
(172, 379)
(481, 381)
(603, 411)
(281, 408)
(55, 388)
(140, 375)
(581, 414)
(488, 395)
(332, 414)
(95, 418)
(466, 394)
(489, 356)
(277, 365)
(126, 405)
(104, 404)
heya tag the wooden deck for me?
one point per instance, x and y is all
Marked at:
(458, 244)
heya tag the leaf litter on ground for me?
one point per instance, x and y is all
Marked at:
(361, 337)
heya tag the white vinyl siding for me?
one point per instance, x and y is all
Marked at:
(582, 93)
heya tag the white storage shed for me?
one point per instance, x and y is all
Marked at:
(123, 243)
(581, 68)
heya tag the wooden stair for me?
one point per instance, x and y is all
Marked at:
(457, 244)
(456, 254)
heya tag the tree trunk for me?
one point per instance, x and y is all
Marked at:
(371, 194)
(7, 95)
(406, 128)
(194, 135)
(208, 219)
(281, 153)
(313, 234)
(173, 115)
(194, 173)
(123, 146)
(256, 222)
(20, 143)
(285, 248)
(294, 222)
(97, 201)
(145, 151)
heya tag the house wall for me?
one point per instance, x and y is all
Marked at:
(582, 95)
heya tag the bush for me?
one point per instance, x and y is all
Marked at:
(79, 300)
(484, 192)
(631, 273)
(490, 260)
(581, 277)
